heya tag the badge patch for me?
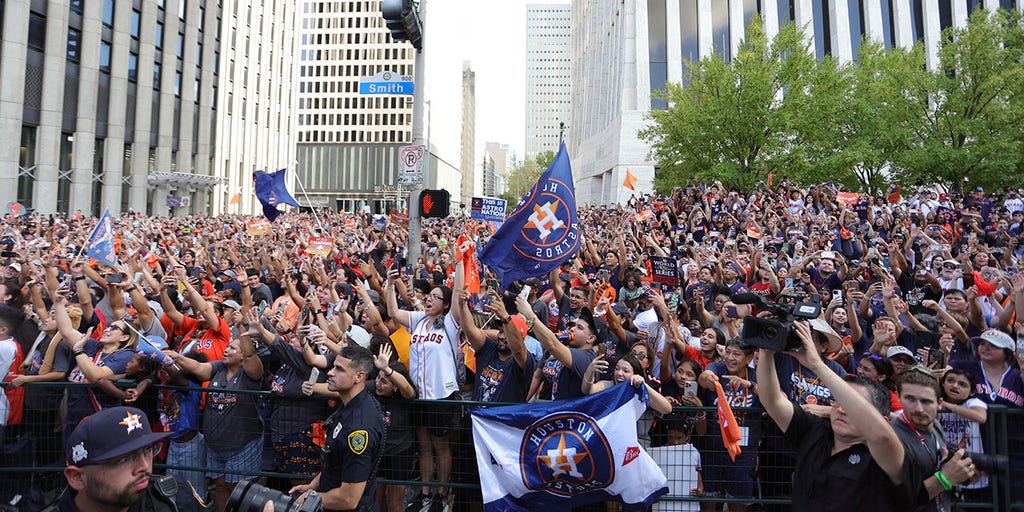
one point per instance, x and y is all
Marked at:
(357, 441)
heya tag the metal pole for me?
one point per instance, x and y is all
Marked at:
(428, 176)
(419, 70)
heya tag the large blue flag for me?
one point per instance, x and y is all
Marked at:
(270, 190)
(564, 454)
(101, 241)
(542, 232)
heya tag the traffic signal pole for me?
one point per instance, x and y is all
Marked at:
(419, 69)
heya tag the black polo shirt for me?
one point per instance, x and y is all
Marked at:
(846, 481)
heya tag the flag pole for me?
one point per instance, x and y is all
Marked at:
(92, 234)
(303, 187)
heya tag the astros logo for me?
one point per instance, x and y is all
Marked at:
(551, 231)
(566, 454)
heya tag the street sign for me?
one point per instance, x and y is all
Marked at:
(385, 82)
(410, 168)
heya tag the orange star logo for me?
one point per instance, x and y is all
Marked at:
(131, 421)
(563, 460)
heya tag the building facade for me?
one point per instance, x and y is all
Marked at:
(119, 103)
(468, 143)
(623, 52)
(495, 168)
(349, 142)
(548, 49)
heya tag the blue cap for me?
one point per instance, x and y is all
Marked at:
(110, 434)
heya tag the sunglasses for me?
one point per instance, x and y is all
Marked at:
(115, 326)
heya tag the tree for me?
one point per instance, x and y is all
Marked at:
(521, 177)
(973, 113)
(543, 160)
(732, 121)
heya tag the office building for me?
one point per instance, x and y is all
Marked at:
(623, 52)
(495, 168)
(349, 142)
(547, 75)
(468, 144)
(164, 107)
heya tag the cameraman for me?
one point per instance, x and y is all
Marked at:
(853, 461)
(925, 445)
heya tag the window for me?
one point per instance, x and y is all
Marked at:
(104, 56)
(159, 34)
(177, 84)
(133, 67)
(181, 45)
(74, 44)
(76, 7)
(108, 13)
(37, 32)
(136, 23)
(156, 75)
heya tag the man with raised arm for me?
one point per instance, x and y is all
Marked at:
(853, 460)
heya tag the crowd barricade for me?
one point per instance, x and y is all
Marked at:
(32, 453)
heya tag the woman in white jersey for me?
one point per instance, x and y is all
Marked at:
(433, 345)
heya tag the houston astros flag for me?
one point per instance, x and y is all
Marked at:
(564, 454)
(541, 232)
(271, 191)
(101, 241)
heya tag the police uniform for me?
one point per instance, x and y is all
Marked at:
(355, 434)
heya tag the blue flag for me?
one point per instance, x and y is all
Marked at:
(564, 454)
(542, 232)
(101, 241)
(270, 190)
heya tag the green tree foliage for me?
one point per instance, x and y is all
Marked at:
(882, 120)
(522, 176)
(972, 118)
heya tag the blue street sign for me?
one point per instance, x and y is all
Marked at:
(386, 82)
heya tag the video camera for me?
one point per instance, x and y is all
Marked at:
(249, 496)
(777, 332)
(993, 465)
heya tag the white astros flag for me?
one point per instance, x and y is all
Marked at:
(564, 454)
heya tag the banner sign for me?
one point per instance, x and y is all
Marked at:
(320, 246)
(664, 270)
(259, 227)
(488, 208)
(399, 218)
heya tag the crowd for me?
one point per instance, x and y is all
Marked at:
(924, 284)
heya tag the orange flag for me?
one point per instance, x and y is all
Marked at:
(731, 435)
(630, 180)
(472, 273)
(235, 199)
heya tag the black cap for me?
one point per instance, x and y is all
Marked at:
(110, 434)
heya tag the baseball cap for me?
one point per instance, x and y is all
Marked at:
(228, 273)
(233, 305)
(359, 335)
(109, 434)
(520, 324)
(16, 266)
(899, 350)
(996, 338)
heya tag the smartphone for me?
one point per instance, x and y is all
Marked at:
(789, 282)
(837, 294)
(408, 269)
(115, 278)
(314, 374)
(731, 312)
(260, 307)
(968, 280)
(525, 292)
(493, 284)
(936, 358)
(690, 389)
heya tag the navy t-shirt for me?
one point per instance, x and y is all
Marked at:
(498, 380)
(749, 422)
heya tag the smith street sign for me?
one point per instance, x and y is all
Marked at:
(385, 82)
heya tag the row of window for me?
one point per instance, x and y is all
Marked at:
(356, 136)
(369, 120)
(368, 53)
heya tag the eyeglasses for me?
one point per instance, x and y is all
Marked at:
(917, 368)
(146, 452)
(640, 355)
(949, 267)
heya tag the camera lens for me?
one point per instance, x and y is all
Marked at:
(249, 496)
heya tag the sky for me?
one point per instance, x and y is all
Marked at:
(491, 35)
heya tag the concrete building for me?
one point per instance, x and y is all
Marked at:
(548, 51)
(495, 167)
(623, 52)
(123, 103)
(349, 142)
(468, 143)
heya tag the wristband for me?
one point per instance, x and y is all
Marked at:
(390, 374)
(132, 288)
(78, 278)
(943, 480)
(78, 353)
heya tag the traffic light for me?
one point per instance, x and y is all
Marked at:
(403, 21)
(434, 203)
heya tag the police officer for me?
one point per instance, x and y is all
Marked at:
(355, 434)
(110, 465)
